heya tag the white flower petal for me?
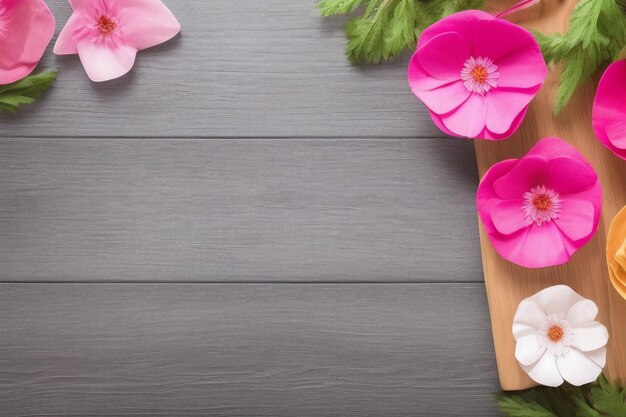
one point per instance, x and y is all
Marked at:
(577, 354)
(590, 337)
(528, 350)
(557, 299)
(598, 356)
(530, 314)
(577, 368)
(581, 313)
(521, 330)
(545, 372)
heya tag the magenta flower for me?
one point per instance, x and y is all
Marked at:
(539, 210)
(609, 109)
(476, 74)
(106, 34)
(26, 28)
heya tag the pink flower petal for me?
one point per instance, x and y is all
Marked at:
(146, 23)
(462, 23)
(576, 219)
(503, 107)
(498, 38)
(609, 107)
(84, 5)
(488, 135)
(543, 246)
(508, 217)
(469, 119)
(616, 132)
(419, 79)
(65, 44)
(439, 123)
(28, 27)
(443, 56)
(446, 98)
(103, 63)
(551, 147)
(567, 175)
(486, 197)
(529, 172)
(524, 68)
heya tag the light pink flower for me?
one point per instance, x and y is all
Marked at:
(609, 109)
(26, 28)
(539, 210)
(476, 74)
(107, 34)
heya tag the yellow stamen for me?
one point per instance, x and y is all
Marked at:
(479, 74)
(542, 202)
(555, 333)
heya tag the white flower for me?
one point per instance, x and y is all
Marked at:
(558, 339)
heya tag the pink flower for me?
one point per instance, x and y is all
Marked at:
(107, 34)
(609, 109)
(26, 28)
(539, 210)
(476, 74)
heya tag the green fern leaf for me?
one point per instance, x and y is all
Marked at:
(596, 36)
(333, 7)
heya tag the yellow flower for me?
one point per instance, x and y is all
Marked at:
(616, 252)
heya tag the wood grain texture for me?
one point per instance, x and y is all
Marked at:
(238, 210)
(587, 272)
(239, 68)
(237, 350)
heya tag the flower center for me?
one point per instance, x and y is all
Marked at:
(105, 25)
(555, 333)
(542, 202)
(541, 205)
(480, 75)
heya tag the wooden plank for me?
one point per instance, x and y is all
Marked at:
(587, 272)
(237, 210)
(240, 68)
(232, 350)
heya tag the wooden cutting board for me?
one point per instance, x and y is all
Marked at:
(506, 283)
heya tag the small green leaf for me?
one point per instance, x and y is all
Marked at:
(25, 91)
(516, 406)
(608, 399)
(596, 35)
(621, 55)
(599, 399)
(388, 27)
(333, 7)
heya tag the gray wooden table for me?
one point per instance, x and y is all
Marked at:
(245, 225)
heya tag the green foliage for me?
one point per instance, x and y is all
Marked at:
(608, 399)
(25, 91)
(332, 7)
(596, 36)
(386, 27)
(600, 399)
